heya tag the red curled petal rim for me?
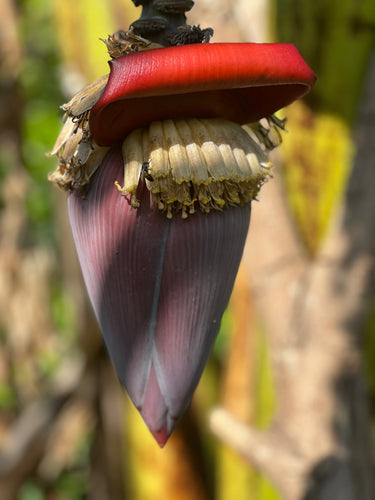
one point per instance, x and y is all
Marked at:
(241, 82)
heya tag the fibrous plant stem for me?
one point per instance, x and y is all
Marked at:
(164, 22)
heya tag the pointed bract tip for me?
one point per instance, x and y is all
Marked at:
(155, 411)
(161, 436)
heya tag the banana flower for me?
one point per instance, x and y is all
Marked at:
(162, 159)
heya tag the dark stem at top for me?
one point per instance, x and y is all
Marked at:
(164, 22)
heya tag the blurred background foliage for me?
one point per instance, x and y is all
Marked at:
(67, 431)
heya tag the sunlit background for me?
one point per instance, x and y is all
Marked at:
(67, 430)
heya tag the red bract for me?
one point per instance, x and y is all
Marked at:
(241, 82)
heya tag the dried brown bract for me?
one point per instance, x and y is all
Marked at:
(127, 42)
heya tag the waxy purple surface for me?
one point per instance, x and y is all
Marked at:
(159, 288)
